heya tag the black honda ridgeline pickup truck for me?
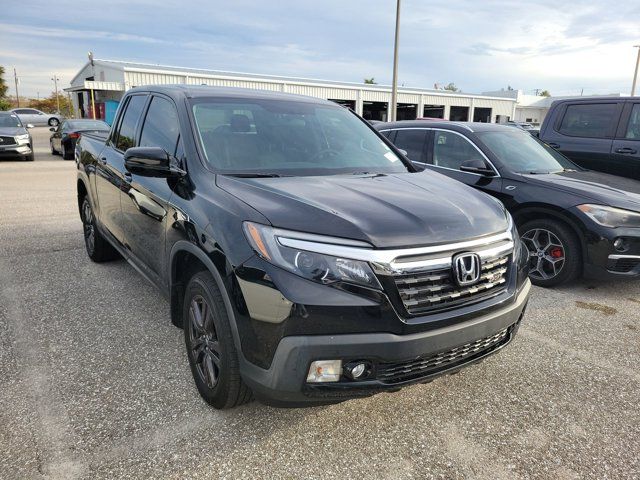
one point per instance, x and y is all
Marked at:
(305, 258)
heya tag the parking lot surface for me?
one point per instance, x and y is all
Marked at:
(94, 380)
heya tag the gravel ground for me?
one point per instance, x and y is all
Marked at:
(94, 381)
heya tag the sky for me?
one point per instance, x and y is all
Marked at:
(480, 45)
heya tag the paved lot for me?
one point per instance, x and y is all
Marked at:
(94, 381)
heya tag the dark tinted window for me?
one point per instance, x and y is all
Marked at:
(633, 129)
(589, 120)
(127, 132)
(451, 150)
(413, 142)
(161, 128)
(23, 111)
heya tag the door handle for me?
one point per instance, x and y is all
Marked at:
(103, 160)
(627, 150)
(553, 145)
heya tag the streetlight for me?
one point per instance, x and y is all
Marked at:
(55, 82)
(635, 73)
(394, 86)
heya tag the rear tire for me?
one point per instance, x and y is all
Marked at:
(555, 255)
(210, 347)
(53, 122)
(98, 248)
(65, 153)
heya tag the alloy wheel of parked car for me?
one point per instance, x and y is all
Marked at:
(554, 252)
(98, 248)
(54, 122)
(210, 347)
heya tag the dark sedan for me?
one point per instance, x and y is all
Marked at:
(573, 221)
(15, 140)
(64, 138)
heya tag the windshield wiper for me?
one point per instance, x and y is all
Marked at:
(253, 175)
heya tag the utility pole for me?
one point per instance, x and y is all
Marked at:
(55, 82)
(15, 78)
(635, 73)
(394, 86)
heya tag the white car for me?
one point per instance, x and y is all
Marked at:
(37, 117)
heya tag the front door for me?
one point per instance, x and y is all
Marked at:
(145, 199)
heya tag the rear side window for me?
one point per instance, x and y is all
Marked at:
(127, 133)
(412, 141)
(633, 129)
(589, 120)
(451, 150)
(161, 127)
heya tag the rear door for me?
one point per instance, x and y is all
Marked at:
(110, 166)
(625, 150)
(584, 132)
(145, 199)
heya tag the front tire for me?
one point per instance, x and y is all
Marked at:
(66, 155)
(98, 248)
(555, 255)
(212, 354)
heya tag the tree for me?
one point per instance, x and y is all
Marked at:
(4, 101)
(452, 87)
(545, 93)
(50, 105)
(370, 81)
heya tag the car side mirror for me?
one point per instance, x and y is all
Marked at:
(477, 166)
(152, 162)
(52, 129)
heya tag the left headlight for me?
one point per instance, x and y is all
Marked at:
(318, 267)
(22, 138)
(611, 216)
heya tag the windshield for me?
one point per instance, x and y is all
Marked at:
(275, 137)
(87, 124)
(519, 152)
(9, 120)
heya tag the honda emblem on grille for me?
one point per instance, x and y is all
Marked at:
(466, 268)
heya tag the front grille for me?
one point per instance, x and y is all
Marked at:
(7, 140)
(623, 265)
(423, 366)
(435, 289)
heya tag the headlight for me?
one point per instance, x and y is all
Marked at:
(610, 216)
(325, 269)
(22, 138)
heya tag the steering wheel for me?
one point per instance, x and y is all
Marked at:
(325, 152)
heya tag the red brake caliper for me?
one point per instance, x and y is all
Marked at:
(556, 252)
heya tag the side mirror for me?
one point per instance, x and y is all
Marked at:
(52, 129)
(477, 166)
(152, 162)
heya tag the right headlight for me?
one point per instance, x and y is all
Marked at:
(318, 267)
(611, 216)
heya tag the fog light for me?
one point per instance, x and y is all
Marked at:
(621, 245)
(358, 370)
(324, 371)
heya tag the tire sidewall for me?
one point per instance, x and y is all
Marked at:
(53, 122)
(90, 252)
(572, 267)
(216, 396)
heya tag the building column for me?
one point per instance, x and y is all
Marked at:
(420, 112)
(359, 105)
(447, 112)
(471, 109)
(389, 111)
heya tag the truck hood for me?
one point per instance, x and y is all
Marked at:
(12, 131)
(595, 187)
(388, 211)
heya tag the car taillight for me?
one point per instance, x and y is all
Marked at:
(74, 135)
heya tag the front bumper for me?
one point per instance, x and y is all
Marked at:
(604, 261)
(284, 383)
(15, 151)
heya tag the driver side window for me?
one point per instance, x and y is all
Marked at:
(451, 150)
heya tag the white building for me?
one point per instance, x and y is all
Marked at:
(107, 80)
(532, 108)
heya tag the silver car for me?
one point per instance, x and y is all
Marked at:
(37, 117)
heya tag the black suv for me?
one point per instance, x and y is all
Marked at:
(572, 220)
(598, 133)
(305, 257)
